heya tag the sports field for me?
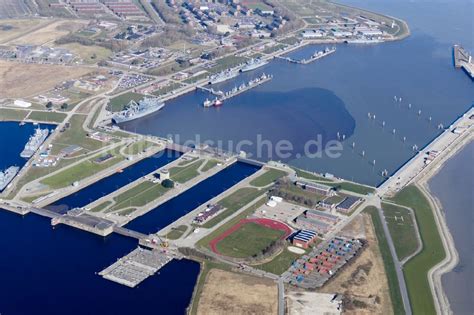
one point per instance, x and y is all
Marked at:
(249, 237)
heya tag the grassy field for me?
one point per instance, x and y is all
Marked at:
(311, 176)
(138, 196)
(402, 228)
(204, 242)
(75, 134)
(227, 62)
(209, 164)
(233, 203)
(177, 232)
(185, 173)
(268, 178)
(118, 103)
(273, 49)
(416, 269)
(138, 147)
(356, 188)
(248, 240)
(7, 114)
(101, 206)
(280, 263)
(290, 40)
(393, 284)
(90, 54)
(79, 172)
(47, 116)
(166, 89)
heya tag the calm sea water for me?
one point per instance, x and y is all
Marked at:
(109, 184)
(336, 93)
(53, 271)
(454, 187)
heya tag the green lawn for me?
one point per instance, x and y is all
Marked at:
(248, 240)
(401, 226)
(268, 178)
(101, 206)
(7, 114)
(280, 263)
(273, 49)
(47, 116)
(356, 188)
(79, 172)
(393, 284)
(335, 199)
(118, 103)
(185, 173)
(127, 211)
(166, 89)
(75, 134)
(233, 203)
(204, 242)
(177, 232)
(227, 62)
(139, 195)
(416, 269)
(308, 175)
(138, 147)
(209, 164)
(290, 40)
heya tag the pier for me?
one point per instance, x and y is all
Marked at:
(462, 59)
(137, 266)
(317, 55)
(244, 87)
(210, 90)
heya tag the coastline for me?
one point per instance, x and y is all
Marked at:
(451, 259)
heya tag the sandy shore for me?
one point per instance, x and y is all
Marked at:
(452, 258)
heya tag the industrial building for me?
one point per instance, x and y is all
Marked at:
(348, 204)
(311, 224)
(304, 238)
(317, 188)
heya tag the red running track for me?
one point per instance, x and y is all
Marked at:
(269, 223)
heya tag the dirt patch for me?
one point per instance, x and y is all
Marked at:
(363, 283)
(23, 80)
(231, 293)
(49, 33)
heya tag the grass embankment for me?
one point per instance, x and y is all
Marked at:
(138, 196)
(390, 271)
(204, 242)
(118, 103)
(47, 116)
(101, 206)
(138, 147)
(75, 135)
(275, 48)
(209, 164)
(177, 232)
(248, 240)
(233, 203)
(402, 228)
(167, 89)
(226, 63)
(280, 263)
(416, 269)
(185, 173)
(9, 114)
(268, 178)
(80, 171)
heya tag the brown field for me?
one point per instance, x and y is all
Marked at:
(364, 282)
(23, 80)
(241, 294)
(49, 33)
(19, 28)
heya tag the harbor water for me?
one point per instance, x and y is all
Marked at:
(109, 184)
(454, 188)
(13, 138)
(177, 207)
(53, 271)
(336, 93)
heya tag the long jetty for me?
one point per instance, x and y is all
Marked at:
(317, 55)
(247, 86)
